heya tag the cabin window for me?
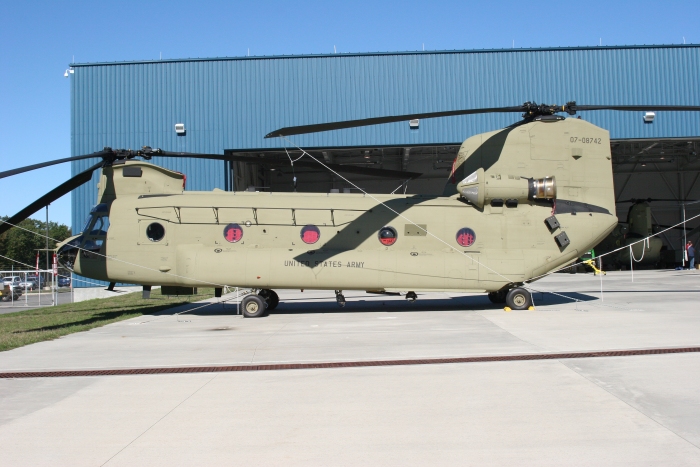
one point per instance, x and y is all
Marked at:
(155, 232)
(466, 237)
(310, 234)
(233, 233)
(388, 236)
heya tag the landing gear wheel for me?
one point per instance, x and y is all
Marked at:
(271, 298)
(411, 297)
(519, 299)
(253, 306)
(498, 297)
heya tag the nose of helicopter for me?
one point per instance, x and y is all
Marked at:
(68, 250)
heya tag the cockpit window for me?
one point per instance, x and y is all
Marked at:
(99, 212)
(87, 223)
(100, 227)
(99, 208)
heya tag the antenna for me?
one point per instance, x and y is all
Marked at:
(684, 39)
(513, 43)
(249, 51)
(334, 51)
(423, 46)
(600, 42)
(161, 55)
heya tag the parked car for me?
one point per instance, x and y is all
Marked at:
(12, 281)
(38, 280)
(63, 281)
(28, 284)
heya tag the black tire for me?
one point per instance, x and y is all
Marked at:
(518, 299)
(271, 298)
(497, 297)
(253, 306)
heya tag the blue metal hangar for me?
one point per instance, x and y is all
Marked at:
(228, 105)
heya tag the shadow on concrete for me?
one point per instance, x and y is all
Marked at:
(374, 304)
(562, 298)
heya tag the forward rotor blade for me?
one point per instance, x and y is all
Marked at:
(386, 173)
(9, 173)
(298, 130)
(50, 197)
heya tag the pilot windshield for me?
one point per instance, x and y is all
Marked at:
(97, 222)
(100, 226)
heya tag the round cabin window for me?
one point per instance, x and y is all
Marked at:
(155, 232)
(387, 235)
(310, 234)
(466, 237)
(233, 233)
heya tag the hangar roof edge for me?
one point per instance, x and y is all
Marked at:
(417, 52)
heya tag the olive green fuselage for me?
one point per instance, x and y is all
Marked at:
(505, 245)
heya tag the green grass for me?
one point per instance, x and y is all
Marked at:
(47, 323)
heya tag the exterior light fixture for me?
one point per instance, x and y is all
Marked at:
(649, 117)
(69, 71)
(413, 124)
(180, 129)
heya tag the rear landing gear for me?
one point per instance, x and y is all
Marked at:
(411, 297)
(519, 298)
(340, 298)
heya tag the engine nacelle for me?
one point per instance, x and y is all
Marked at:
(478, 189)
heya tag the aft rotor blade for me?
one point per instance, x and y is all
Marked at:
(637, 108)
(386, 173)
(298, 130)
(530, 110)
(50, 197)
(28, 168)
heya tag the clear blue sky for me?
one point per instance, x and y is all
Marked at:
(38, 39)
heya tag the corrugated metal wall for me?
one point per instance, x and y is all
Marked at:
(232, 103)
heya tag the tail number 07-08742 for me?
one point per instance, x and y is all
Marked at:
(576, 139)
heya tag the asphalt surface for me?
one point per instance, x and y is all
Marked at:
(627, 410)
(33, 300)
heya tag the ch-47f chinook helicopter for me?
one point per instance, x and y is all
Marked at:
(520, 202)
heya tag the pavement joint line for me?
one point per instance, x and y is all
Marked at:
(348, 364)
(159, 420)
(630, 405)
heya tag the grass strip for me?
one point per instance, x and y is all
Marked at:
(41, 324)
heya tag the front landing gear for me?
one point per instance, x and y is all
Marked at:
(411, 297)
(253, 306)
(340, 298)
(518, 298)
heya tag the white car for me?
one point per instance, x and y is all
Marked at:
(12, 281)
